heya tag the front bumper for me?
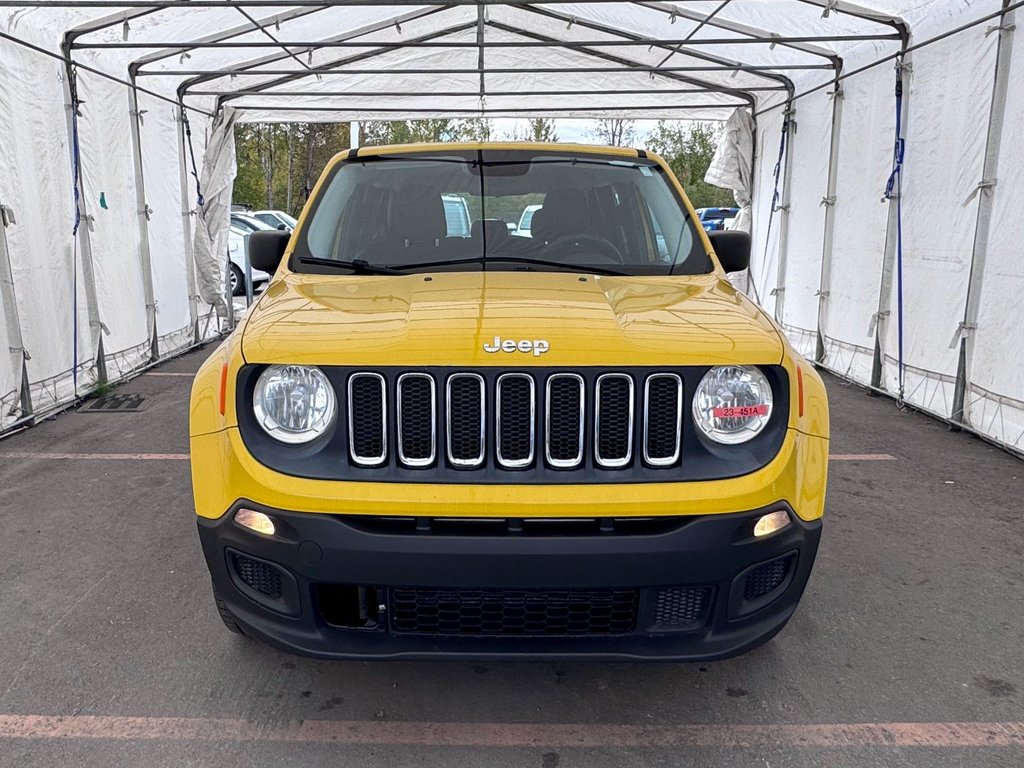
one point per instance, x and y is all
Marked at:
(322, 559)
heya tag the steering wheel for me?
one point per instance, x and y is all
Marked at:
(601, 245)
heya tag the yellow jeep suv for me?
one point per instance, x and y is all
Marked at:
(577, 441)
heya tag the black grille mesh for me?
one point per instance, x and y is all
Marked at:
(258, 575)
(415, 429)
(464, 416)
(516, 418)
(367, 414)
(564, 422)
(613, 437)
(681, 606)
(513, 612)
(662, 422)
(766, 578)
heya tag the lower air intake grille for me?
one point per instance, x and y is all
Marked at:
(681, 607)
(767, 577)
(257, 575)
(513, 612)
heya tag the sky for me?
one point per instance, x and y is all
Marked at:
(567, 130)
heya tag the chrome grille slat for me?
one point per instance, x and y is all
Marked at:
(663, 419)
(466, 419)
(416, 418)
(563, 420)
(367, 419)
(614, 408)
(515, 425)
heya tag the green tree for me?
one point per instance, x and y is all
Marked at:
(614, 132)
(688, 148)
(539, 129)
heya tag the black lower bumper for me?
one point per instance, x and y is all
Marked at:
(695, 588)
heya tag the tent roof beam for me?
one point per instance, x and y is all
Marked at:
(275, 43)
(470, 94)
(626, 66)
(290, 76)
(673, 108)
(631, 65)
(603, 28)
(207, 76)
(223, 35)
(756, 33)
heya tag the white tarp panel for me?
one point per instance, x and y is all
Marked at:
(865, 159)
(210, 245)
(697, 59)
(948, 83)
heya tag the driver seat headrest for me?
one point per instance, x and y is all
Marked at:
(565, 212)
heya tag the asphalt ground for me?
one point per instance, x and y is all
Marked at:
(908, 648)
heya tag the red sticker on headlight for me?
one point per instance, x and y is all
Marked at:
(740, 412)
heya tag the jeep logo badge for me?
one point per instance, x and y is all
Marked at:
(538, 346)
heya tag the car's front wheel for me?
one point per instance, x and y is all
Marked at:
(237, 281)
(227, 616)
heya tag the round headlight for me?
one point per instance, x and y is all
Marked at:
(732, 404)
(293, 403)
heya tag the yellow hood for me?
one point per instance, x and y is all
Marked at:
(448, 318)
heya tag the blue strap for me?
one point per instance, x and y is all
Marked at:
(75, 179)
(894, 189)
(200, 200)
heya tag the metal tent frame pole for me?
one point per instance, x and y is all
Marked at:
(830, 203)
(84, 241)
(785, 205)
(186, 229)
(142, 206)
(986, 192)
(879, 323)
(12, 321)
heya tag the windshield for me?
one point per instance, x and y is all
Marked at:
(462, 210)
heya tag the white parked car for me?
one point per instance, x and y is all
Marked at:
(275, 219)
(238, 245)
(526, 220)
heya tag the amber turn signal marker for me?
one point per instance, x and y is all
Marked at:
(800, 391)
(223, 387)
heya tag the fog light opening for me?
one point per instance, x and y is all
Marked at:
(771, 523)
(257, 521)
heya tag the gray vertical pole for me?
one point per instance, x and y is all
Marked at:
(997, 115)
(186, 228)
(880, 320)
(829, 202)
(9, 298)
(784, 211)
(135, 120)
(96, 326)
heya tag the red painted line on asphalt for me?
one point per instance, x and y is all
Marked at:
(861, 457)
(596, 735)
(98, 456)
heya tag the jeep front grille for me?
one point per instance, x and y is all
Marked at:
(571, 417)
(523, 425)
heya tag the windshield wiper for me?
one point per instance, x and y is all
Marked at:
(357, 266)
(519, 260)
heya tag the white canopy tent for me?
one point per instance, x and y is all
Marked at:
(900, 270)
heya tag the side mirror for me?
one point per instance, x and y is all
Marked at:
(266, 249)
(732, 249)
(282, 227)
